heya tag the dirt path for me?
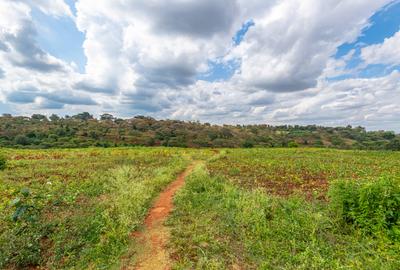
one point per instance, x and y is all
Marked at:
(152, 240)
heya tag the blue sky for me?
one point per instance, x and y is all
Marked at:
(232, 61)
(60, 37)
(383, 24)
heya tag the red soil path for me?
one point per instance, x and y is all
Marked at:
(152, 240)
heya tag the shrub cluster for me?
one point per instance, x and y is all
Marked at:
(373, 206)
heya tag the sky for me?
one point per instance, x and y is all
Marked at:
(331, 62)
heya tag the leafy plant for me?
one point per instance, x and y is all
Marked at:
(25, 208)
(373, 206)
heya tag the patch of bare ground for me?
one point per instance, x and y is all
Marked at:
(151, 251)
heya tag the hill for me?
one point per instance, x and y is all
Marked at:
(83, 130)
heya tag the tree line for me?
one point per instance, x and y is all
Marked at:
(83, 130)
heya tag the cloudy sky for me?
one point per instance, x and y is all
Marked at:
(331, 62)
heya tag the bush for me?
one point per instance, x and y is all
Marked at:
(293, 145)
(373, 206)
(248, 144)
(22, 140)
(2, 163)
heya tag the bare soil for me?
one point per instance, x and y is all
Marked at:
(152, 240)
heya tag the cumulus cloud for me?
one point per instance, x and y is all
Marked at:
(153, 44)
(291, 43)
(350, 101)
(188, 17)
(387, 52)
(31, 78)
(147, 57)
(18, 45)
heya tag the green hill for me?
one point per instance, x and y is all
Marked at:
(83, 130)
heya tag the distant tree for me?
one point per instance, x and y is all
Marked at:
(394, 145)
(36, 132)
(83, 116)
(39, 117)
(119, 120)
(248, 144)
(22, 140)
(106, 116)
(54, 117)
(226, 132)
(388, 135)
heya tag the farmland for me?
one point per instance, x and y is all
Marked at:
(76, 208)
(290, 209)
(239, 209)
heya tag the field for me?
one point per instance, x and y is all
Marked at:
(239, 209)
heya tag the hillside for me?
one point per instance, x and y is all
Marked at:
(83, 130)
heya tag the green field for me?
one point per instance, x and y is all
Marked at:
(240, 208)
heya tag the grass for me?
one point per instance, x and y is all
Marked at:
(226, 217)
(242, 209)
(76, 208)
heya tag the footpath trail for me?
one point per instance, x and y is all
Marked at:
(152, 240)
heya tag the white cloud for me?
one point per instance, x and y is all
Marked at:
(146, 56)
(291, 43)
(56, 8)
(31, 78)
(143, 45)
(387, 52)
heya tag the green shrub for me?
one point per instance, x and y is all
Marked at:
(22, 140)
(20, 240)
(2, 162)
(373, 206)
(248, 144)
(293, 145)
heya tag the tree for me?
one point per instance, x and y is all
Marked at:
(106, 117)
(22, 140)
(388, 135)
(394, 145)
(248, 144)
(54, 117)
(39, 117)
(83, 116)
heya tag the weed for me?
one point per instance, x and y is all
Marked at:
(373, 206)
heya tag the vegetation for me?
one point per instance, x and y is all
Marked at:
(2, 163)
(83, 130)
(284, 208)
(77, 208)
(373, 206)
(290, 209)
